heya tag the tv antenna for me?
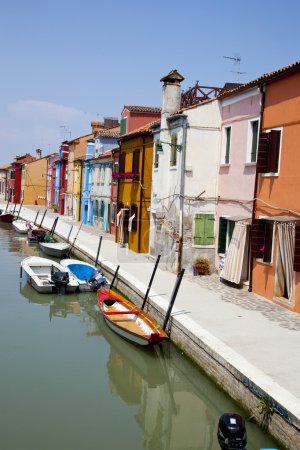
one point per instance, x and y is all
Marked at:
(236, 59)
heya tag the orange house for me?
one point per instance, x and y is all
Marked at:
(275, 236)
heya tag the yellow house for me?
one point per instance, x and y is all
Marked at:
(134, 195)
(34, 182)
(77, 187)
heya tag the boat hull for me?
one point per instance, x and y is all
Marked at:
(58, 251)
(20, 226)
(128, 321)
(81, 271)
(6, 218)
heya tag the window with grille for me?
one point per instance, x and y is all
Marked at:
(204, 229)
(173, 153)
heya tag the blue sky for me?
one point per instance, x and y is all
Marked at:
(65, 63)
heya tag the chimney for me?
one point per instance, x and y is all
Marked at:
(171, 95)
(96, 126)
(111, 122)
(38, 153)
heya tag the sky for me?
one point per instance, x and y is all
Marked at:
(66, 63)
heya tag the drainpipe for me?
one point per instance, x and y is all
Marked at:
(141, 194)
(262, 88)
(181, 193)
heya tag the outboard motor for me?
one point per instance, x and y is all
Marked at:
(97, 279)
(232, 432)
(61, 281)
(38, 234)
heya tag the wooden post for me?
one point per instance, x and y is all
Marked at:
(43, 217)
(7, 206)
(20, 208)
(99, 247)
(71, 248)
(115, 275)
(68, 238)
(54, 226)
(14, 208)
(150, 283)
(173, 298)
(36, 217)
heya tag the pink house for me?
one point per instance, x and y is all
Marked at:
(240, 123)
(134, 117)
(51, 173)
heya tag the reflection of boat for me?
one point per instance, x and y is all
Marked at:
(22, 226)
(57, 249)
(88, 277)
(129, 321)
(48, 276)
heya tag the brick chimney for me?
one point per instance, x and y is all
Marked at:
(171, 95)
(38, 153)
(111, 122)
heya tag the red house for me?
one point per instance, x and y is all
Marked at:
(114, 193)
(134, 117)
(63, 182)
(15, 177)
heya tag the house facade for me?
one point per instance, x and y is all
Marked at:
(240, 115)
(100, 193)
(114, 192)
(276, 225)
(134, 117)
(62, 170)
(14, 179)
(3, 182)
(34, 182)
(184, 199)
(134, 191)
(51, 176)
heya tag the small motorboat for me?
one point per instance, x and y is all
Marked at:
(88, 277)
(57, 249)
(22, 226)
(36, 234)
(47, 276)
(128, 320)
(6, 217)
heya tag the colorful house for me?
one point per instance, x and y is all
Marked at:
(78, 187)
(114, 192)
(61, 178)
(134, 117)
(240, 115)
(101, 170)
(34, 181)
(275, 236)
(87, 206)
(15, 177)
(134, 177)
(51, 176)
(3, 182)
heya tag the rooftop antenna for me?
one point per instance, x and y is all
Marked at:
(65, 132)
(237, 62)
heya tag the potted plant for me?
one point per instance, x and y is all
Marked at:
(201, 266)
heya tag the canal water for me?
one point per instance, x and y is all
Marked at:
(68, 383)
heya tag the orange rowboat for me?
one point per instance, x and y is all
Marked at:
(129, 321)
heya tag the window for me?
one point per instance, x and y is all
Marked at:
(123, 126)
(12, 174)
(116, 166)
(113, 213)
(156, 155)
(253, 141)
(136, 161)
(262, 239)
(226, 145)
(122, 161)
(268, 154)
(226, 227)
(102, 175)
(101, 212)
(173, 153)
(204, 229)
(134, 211)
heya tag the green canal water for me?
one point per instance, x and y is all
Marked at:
(68, 383)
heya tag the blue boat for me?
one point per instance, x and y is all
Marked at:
(89, 277)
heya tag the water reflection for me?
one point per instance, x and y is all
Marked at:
(155, 398)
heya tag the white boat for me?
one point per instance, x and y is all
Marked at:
(48, 276)
(57, 249)
(88, 277)
(22, 226)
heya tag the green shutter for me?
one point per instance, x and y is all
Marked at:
(199, 229)
(222, 235)
(209, 225)
(123, 126)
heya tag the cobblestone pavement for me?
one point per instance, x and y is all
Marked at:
(241, 297)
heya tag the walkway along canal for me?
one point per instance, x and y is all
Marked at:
(68, 382)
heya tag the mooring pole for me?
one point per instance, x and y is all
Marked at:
(7, 205)
(21, 272)
(14, 208)
(20, 208)
(115, 275)
(54, 226)
(150, 282)
(36, 217)
(69, 252)
(98, 251)
(173, 298)
(43, 217)
(68, 238)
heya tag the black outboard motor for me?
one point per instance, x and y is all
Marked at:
(232, 432)
(97, 279)
(61, 281)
